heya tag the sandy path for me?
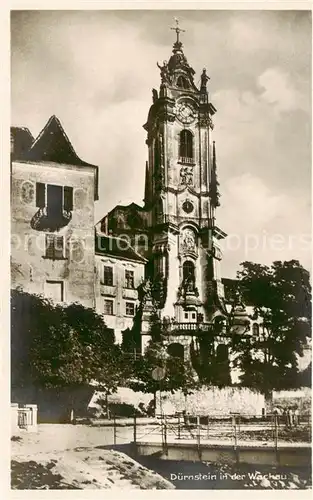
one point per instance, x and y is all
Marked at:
(69, 453)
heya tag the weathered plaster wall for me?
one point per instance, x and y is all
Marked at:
(30, 269)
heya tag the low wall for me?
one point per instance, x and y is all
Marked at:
(23, 417)
(214, 401)
(123, 395)
(211, 401)
(299, 456)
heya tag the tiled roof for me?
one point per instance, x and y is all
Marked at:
(21, 141)
(116, 247)
(52, 144)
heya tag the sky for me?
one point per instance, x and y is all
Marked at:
(95, 71)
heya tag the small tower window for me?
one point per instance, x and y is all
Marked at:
(182, 83)
(255, 329)
(186, 144)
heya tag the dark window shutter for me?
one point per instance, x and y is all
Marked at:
(68, 198)
(40, 195)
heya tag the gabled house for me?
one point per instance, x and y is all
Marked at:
(53, 193)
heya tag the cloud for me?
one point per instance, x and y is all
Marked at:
(95, 71)
(277, 90)
(263, 225)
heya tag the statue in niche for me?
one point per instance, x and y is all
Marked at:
(188, 241)
(189, 284)
(186, 176)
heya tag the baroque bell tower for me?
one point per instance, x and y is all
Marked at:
(181, 194)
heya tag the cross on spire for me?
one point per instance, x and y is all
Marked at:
(178, 30)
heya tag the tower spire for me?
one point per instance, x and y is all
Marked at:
(178, 30)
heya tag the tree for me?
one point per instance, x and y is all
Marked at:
(61, 346)
(280, 295)
(178, 372)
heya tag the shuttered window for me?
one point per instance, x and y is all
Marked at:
(58, 197)
(40, 195)
(108, 275)
(54, 246)
(68, 198)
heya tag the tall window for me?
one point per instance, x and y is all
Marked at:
(186, 144)
(55, 198)
(222, 353)
(54, 246)
(188, 270)
(130, 308)
(108, 275)
(129, 279)
(108, 307)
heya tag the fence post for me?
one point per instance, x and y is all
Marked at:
(114, 429)
(165, 437)
(235, 437)
(198, 436)
(135, 435)
(135, 429)
(276, 438)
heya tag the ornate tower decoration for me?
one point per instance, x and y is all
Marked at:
(182, 195)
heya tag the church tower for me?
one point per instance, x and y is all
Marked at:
(181, 195)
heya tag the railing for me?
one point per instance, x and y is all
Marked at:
(43, 220)
(186, 160)
(234, 430)
(191, 328)
(204, 327)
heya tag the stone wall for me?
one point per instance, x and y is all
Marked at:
(214, 402)
(205, 401)
(123, 395)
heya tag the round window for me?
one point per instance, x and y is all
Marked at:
(187, 206)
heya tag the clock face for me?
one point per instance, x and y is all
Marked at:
(186, 113)
(187, 206)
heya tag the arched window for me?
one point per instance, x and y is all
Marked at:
(222, 353)
(255, 329)
(182, 83)
(186, 144)
(188, 270)
(176, 350)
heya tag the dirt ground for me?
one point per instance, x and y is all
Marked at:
(82, 457)
(67, 457)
